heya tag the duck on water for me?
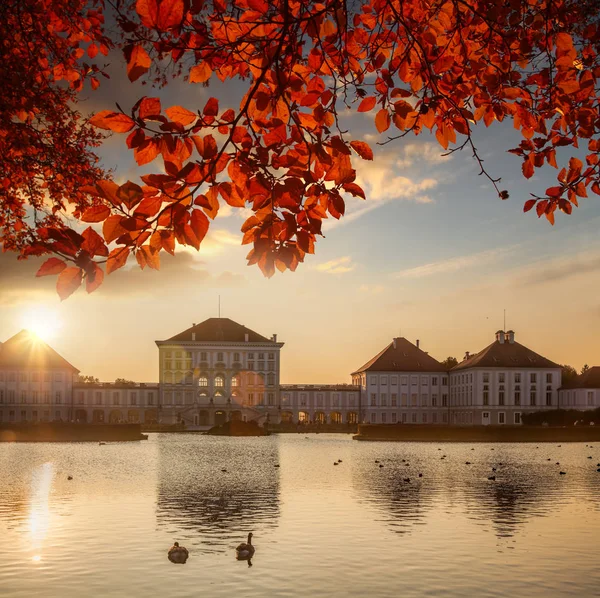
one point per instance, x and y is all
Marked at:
(178, 554)
(245, 551)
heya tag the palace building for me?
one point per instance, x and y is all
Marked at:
(219, 370)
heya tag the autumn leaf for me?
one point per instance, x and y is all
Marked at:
(529, 204)
(113, 121)
(93, 243)
(69, 280)
(130, 194)
(382, 120)
(51, 266)
(149, 107)
(93, 278)
(362, 149)
(117, 258)
(367, 104)
(199, 223)
(138, 63)
(170, 14)
(95, 214)
(200, 73)
(181, 115)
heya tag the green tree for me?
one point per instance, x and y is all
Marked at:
(450, 362)
(569, 373)
(124, 381)
(87, 380)
(585, 368)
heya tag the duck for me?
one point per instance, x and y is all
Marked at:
(563, 473)
(376, 461)
(420, 475)
(178, 554)
(493, 469)
(407, 479)
(467, 462)
(380, 465)
(69, 477)
(335, 463)
(224, 470)
(245, 550)
(277, 465)
(339, 460)
(492, 478)
(101, 443)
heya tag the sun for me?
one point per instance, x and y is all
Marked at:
(44, 322)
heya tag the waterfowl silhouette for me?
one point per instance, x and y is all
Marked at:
(407, 479)
(178, 554)
(245, 550)
(563, 473)
(380, 465)
(492, 477)
(69, 477)
(335, 463)
(420, 475)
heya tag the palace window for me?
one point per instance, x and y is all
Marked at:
(219, 381)
(549, 378)
(336, 400)
(219, 356)
(414, 380)
(444, 380)
(80, 398)
(413, 400)
(23, 397)
(236, 357)
(319, 400)
(116, 398)
(383, 380)
(235, 380)
(517, 378)
(404, 380)
(373, 400)
(168, 354)
(271, 355)
(250, 399)
(590, 397)
(444, 400)
(384, 400)
(517, 418)
(394, 418)
(271, 398)
(486, 397)
(303, 400)
(394, 400)
(251, 365)
(434, 400)
(404, 399)
(501, 418)
(1, 396)
(394, 381)
(133, 398)
(58, 397)
(517, 397)
(533, 378)
(261, 365)
(434, 381)
(261, 355)
(532, 396)
(150, 398)
(501, 378)
(270, 379)
(549, 396)
(203, 381)
(501, 396)
(178, 354)
(46, 396)
(423, 400)
(383, 418)
(203, 356)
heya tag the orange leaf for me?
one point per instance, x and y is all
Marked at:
(362, 149)
(112, 121)
(382, 120)
(528, 168)
(51, 266)
(138, 64)
(200, 73)
(148, 12)
(95, 214)
(93, 243)
(354, 189)
(112, 228)
(181, 115)
(69, 280)
(130, 194)
(146, 152)
(117, 258)
(367, 104)
(199, 223)
(149, 107)
(170, 14)
(94, 278)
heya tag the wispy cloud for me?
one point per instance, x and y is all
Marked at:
(561, 269)
(456, 263)
(341, 265)
(375, 289)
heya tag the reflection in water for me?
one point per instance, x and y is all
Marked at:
(39, 515)
(220, 488)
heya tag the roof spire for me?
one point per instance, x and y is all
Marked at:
(219, 307)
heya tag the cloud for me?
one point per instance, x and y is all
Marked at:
(341, 265)
(456, 263)
(561, 269)
(371, 289)
(183, 272)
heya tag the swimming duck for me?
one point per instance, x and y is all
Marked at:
(492, 477)
(563, 473)
(245, 550)
(69, 477)
(178, 554)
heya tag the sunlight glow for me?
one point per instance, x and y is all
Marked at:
(36, 558)
(42, 321)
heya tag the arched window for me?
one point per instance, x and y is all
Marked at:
(219, 381)
(235, 380)
(202, 380)
(270, 379)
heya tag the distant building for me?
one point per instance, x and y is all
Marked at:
(583, 392)
(36, 383)
(319, 403)
(501, 382)
(216, 371)
(403, 384)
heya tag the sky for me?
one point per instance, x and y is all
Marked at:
(432, 254)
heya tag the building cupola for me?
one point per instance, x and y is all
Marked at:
(510, 337)
(500, 336)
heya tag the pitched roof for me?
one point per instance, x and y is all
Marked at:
(590, 379)
(404, 357)
(25, 350)
(506, 355)
(219, 330)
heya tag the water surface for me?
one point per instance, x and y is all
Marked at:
(353, 529)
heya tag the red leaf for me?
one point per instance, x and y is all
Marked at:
(149, 107)
(199, 223)
(117, 258)
(138, 64)
(112, 228)
(354, 189)
(148, 12)
(211, 108)
(130, 194)
(51, 266)
(69, 280)
(170, 14)
(113, 121)
(528, 168)
(94, 278)
(181, 115)
(367, 104)
(382, 120)
(362, 149)
(93, 243)
(200, 73)
(95, 214)
(529, 204)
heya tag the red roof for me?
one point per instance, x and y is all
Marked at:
(218, 330)
(404, 357)
(506, 355)
(25, 350)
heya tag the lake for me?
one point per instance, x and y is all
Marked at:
(353, 529)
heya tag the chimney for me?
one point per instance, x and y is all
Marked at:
(500, 336)
(193, 336)
(193, 324)
(274, 338)
(510, 337)
(394, 342)
(246, 337)
(418, 343)
(467, 355)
